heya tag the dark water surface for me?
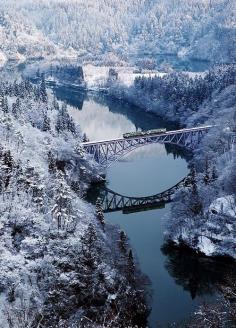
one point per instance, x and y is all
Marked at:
(176, 63)
(179, 281)
(176, 289)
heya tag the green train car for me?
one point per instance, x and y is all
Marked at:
(143, 133)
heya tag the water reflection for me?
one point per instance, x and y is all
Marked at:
(70, 95)
(147, 171)
(196, 274)
(173, 61)
(112, 201)
(141, 120)
(102, 117)
(99, 123)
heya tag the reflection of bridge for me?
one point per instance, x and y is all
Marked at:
(107, 151)
(112, 201)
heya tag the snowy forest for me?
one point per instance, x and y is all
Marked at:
(118, 29)
(204, 210)
(196, 101)
(58, 265)
(74, 68)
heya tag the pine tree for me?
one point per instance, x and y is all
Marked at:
(7, 168)
(214, 175)
(43, 90)
(195, 205)
(123, 242)
(52, 167)
(62, 211)
(85, 138)
(207, 178)
(195, 202)
(75, 186)
(131, 266)
(16, 108)
(71, 125)
(55, 104)
(8, 159)
(37, 191)
(89, 259)
(99, 212)
(5, 106)
(46, 123)
(89, 248)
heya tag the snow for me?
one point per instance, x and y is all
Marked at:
(45, 222)
(97, 76)
(69, 29)
(182, 53)
(3, 58)
(206, 246)
(224, 205)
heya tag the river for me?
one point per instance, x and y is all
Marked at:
(173, 282)
(179, 281)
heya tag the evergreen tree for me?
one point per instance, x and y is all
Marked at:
(194, 202)
(46, 123)
(99, 212)
(37, 191)
(8, 160)
(214, 175)
(89, 259)
(55, 103)
(123, 242)
(62, 212)
(5, 106)
(16, 108)
(207, 177)
(52, 167)
(71, 125)
(85, 138)
(89, 249)
(131, 266)
(43, 90)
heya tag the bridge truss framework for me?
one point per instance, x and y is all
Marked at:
(108, 151)
(112, 201)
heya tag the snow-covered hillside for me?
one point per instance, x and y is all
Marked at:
(58, 265)
(204, 212)
(20, 39)
(98, 76)
(202, 29)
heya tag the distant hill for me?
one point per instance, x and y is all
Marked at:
(202, 29)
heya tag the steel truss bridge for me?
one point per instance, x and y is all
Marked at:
(106, 152)
(113, 202)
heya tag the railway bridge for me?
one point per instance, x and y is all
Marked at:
(105, 152)
(112, 201)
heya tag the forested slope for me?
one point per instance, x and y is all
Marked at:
(60, 264)
(202, 29)
(204, 214)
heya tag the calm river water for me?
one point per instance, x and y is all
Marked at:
(176, 285)
(179, 282)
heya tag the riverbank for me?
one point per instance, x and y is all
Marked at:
(104, 117)
(59, 262)
(142, 174)
(190, 102)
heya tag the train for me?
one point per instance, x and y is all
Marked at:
(143, 133)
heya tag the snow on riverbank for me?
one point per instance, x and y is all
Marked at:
(224, 205)
(53, 244)
(96, 76)
(218, 237)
